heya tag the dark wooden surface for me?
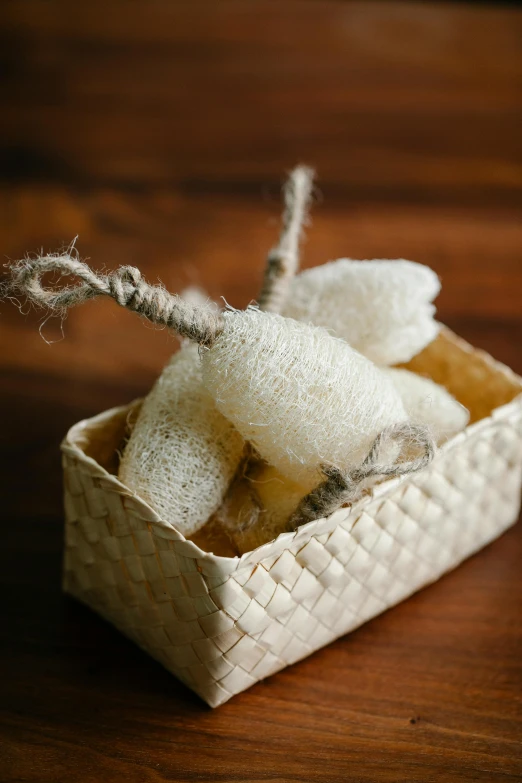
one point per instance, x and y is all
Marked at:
(159, 132)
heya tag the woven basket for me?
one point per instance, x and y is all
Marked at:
(220, 624)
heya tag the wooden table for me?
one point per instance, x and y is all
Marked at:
(159, 132)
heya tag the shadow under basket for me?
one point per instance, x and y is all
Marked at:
(221, 624)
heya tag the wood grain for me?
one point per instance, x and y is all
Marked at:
(159, 132)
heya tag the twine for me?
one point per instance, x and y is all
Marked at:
(340, 488)
(126, 286)
(283, 260)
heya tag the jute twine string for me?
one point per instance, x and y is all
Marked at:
(125, 286)
(341, 488)
(283, 260)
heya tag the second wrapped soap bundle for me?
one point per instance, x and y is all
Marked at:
(280, 413)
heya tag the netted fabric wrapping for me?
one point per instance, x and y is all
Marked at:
(300, 396)
(429, 403)
(182, 453)
(382, 308)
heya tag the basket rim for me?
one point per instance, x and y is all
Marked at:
(70, 448)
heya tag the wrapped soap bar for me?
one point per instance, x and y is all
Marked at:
(300, 396)
(182, 453)
(381, 308)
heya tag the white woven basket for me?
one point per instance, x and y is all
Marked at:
(220, 624)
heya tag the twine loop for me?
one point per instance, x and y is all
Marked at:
(125, 285)
(341, 488)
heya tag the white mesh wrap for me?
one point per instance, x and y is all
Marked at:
(182, 453)
(382, 308)
(299, 395)
(429, 403)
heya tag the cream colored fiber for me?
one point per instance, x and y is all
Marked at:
(182, 453)
(300, 396)
(382, 308)
(429, 403)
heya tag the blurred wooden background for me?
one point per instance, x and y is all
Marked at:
(160, 132)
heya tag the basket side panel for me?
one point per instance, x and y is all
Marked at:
(221, 633)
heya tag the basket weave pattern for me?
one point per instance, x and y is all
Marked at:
(220, 624)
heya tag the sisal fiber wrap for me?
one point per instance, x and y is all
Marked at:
(381, 308)
(182, 453)
(300, 396)
(429, 403)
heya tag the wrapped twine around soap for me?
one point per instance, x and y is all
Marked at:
(203, 325)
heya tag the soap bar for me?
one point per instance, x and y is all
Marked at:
(300, 396)
(381, 308)
(182, 452)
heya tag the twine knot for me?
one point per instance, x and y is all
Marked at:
(125, 285)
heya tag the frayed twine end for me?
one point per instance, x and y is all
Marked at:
(125, 285)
